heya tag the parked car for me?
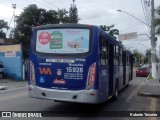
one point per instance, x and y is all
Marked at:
(143, 71)
(2, 71)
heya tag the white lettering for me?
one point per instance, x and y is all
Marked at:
(75, 69)
(137, 114)
(34, 115)
(150, 114)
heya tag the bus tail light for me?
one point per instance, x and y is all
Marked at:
(32, 73)
(91, 76)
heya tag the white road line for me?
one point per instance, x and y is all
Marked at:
(152, 107)
(11, 97)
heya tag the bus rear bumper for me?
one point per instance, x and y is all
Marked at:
(80, 96)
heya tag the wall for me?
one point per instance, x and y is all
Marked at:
(11, 57)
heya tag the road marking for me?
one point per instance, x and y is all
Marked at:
(153, 104)
(135, 91)
(152, 107)
(10, 97)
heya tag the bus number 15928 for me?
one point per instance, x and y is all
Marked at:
(75, 69)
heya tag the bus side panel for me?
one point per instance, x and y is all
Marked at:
(128, 71)
(120, 76)
(124, 68)
(116, 76)
(103, 83)
(111, 69)
(131, 66)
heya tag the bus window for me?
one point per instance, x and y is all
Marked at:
(107, 50)
(127, 60)
(116, 55)
(103, 51)
(66, 41)
(120, 56)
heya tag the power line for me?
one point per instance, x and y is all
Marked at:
(145, 5)
(41, 4)
(148, 12)
(35, 3)
(9, 24)
(144, 11)
(50, 3)
(130, 27)
(29, 2)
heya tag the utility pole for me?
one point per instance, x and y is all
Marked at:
(153, 43)
(159, 55)
(153, 39)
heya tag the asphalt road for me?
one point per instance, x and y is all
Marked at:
(18, 100)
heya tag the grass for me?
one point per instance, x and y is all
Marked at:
(150, 77)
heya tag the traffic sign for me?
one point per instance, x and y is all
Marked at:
(127, 36)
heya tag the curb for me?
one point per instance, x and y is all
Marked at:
(148, 94)
(3, 87)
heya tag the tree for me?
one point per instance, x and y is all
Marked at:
(110, 30)
(3, 25)
(33, 16)
(137, 55)
(30, 17)
(63, 16)
(148, 56)
(73, 13)
(157, 20)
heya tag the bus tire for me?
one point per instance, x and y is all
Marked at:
(115, 96)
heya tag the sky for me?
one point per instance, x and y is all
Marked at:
(98, 12)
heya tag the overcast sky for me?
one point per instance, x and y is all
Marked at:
(96, 12)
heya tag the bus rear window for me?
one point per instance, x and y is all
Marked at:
(62, 41)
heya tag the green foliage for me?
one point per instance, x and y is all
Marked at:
(150, 77)
(110, 30)
(73, 14)
(136, 54)
(3, 25)
(148, 56)
(63, 16)
(2, 34)
(33, 16)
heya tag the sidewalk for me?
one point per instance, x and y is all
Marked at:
(10, 84)
(151, 87)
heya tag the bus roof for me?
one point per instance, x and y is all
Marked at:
(64, 25)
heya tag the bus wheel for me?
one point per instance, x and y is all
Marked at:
(115, 97)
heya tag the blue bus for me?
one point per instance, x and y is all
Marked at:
(77, 63)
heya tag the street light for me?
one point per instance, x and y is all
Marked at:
(152, 27)
(14, 7)
(143, 46)
(145, 35)
(133, 17)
